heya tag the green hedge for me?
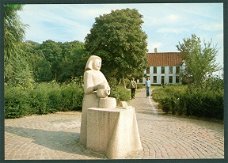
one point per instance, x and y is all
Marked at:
(121, 93)
(197, 102)
(17, 103)
(50, 97)
(44, 98)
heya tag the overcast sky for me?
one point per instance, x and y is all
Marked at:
(165, 24)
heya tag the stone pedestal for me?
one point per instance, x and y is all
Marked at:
(113, 131)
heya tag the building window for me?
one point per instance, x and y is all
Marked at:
(155, 70)
(155, 79)
(148, 70)
(170, 70)
(162, 70)
(162, 80)
(177, 79)
(177, 69)
(170, 79)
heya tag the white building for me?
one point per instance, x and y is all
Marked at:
(164, 67)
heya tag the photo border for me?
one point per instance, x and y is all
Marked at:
(225, 55)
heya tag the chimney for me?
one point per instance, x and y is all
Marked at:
(155, 50)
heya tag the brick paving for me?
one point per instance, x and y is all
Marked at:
(56, 136)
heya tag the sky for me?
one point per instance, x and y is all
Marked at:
(166, 24)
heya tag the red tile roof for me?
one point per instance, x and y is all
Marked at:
(164, 59)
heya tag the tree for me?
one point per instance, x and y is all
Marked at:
(53, 54)
(74, 60)
(199, 59)
(65, 60)
(13, 30)
(119, 40)
(40, 67)
(17, 69)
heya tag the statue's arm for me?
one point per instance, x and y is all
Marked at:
(89, 86)
(106, 85)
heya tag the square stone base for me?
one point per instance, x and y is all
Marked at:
(113, 132)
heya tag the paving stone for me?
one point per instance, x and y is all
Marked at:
(56, 136)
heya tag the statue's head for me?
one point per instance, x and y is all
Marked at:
(93, 63)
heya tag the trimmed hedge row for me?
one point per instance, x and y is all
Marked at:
(44, 98)
(51, 97)
(179, 100)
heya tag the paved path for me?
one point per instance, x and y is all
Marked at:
(56, 136)
(168, 137)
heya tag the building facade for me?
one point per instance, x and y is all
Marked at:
(164, 67)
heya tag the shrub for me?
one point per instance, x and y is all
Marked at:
(71, 97)
(16, 102)
(39, 99)
(42, 99)
(54, 100)
(67, 98)
(194, 101)
(140, 86)
(77, 98)
(121, 93)
(205, 104)
(159, 94)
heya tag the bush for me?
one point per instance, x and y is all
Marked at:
(38, 101)
(121, 93)
(195, 102)
(16, 102)
(78, 93)
(54, 100)
(205, 104)
(140, 86)
(44, 98)
(71, 97)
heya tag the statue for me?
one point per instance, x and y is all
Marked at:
(95, 87)
(106, 127)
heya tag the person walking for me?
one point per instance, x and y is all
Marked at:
(133, 87)
(148, 86)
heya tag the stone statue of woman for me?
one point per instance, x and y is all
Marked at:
(95, 87)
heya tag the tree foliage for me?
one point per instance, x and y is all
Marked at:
(52, 60)
(119, 40)
(67, 60)
(13, 29)
(40, 67)
(53, 54)
(17, 69)
(199, 59)
(73, 61)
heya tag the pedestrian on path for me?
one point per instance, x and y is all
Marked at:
(148, 86)
(133, 86)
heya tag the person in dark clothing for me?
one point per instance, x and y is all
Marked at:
(133, 86)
